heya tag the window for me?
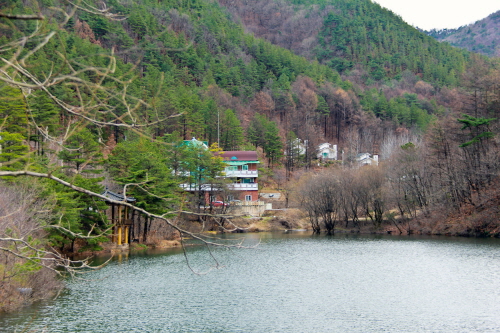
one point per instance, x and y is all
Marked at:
(230, 197)
(248, 198)
(244, 167)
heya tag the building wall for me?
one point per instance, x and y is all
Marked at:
(243, 194)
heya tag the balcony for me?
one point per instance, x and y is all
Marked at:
(241, 173)
(243, 186)
(233, 186)
(196, 187)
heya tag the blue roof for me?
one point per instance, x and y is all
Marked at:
(115, 196)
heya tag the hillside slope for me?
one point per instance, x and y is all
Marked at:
(482, 36)
(348, 35)
(193, 59)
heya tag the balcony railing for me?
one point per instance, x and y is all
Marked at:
(241, 173)
(233, 186)
(244, 186)
(196, 187)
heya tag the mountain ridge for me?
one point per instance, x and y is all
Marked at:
(346, 35)
(482, 36)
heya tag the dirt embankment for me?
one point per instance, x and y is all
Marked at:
(482, 221)
(23, 290)
(274, 220)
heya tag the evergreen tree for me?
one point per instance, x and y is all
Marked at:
(144, 166)
(81, 150)
(231, 136)
(12, 151)
(264, 133)
(13, 117)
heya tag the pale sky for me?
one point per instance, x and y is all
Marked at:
(440, 14)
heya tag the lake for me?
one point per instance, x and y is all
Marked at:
(292, 282)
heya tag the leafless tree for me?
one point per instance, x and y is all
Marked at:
(321, 195)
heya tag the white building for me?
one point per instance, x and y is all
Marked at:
(367, 159)
(327, 151)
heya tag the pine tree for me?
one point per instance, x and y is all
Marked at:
(13, 117)
(12, 151)
(231, 132)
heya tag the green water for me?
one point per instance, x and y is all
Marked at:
(290, 283)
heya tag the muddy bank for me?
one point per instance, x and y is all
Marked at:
(19, 292)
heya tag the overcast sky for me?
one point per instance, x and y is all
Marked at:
(440, 14)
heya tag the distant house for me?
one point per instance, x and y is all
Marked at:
(195, 143)
(327, 151)
(242, 171)
(298, 147)
(366, 159)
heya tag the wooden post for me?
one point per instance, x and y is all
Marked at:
(113, 236)
(126, 235)
(120, 214)
(132, 229)
(119, 235)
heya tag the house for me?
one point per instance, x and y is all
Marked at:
(366, 159)
(242, 171)
(298, 147)
(327, 151)
(195, 143)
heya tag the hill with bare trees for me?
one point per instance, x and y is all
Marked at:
(482, 36)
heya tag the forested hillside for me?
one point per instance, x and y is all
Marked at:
(398, 74)
(96, 95)
(352, 34)
(482, 36)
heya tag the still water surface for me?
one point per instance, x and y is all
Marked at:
(291, 283)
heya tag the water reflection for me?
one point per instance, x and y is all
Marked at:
(293, 282)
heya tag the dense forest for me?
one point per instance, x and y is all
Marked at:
(96, 95)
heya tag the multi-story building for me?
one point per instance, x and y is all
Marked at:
(242, 172)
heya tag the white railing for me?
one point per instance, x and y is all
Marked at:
(243, 186)
(196, 187)
(248, 203)
(241, 173)
(234, 186)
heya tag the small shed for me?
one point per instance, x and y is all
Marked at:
(121, 216)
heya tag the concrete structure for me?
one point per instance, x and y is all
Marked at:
(252, 208)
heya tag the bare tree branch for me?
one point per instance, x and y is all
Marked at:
(123, 203)
(22, 17)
